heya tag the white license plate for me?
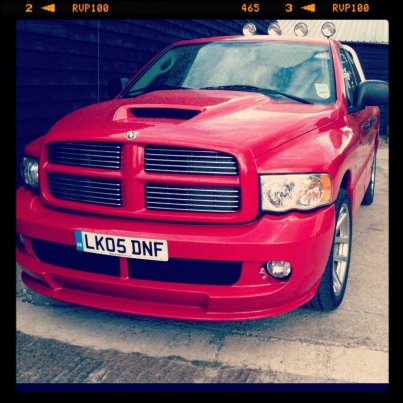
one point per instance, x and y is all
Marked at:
(123, 246)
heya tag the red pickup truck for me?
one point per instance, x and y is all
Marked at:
(220, 184)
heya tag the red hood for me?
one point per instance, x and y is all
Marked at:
(206, 118)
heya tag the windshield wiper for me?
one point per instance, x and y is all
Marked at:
(151, 88)
(264, 91)
(250, 88)
(293, 97)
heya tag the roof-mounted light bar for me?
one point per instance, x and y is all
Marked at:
(300, 29)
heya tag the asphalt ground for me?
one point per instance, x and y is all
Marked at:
(63, 343)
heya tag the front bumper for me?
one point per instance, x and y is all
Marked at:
(303, 239)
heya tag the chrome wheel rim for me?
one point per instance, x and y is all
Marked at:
(341, 249)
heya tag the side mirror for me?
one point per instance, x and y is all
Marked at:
(115, 85)
(371, 93)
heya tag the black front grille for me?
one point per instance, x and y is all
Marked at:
(209, 199)
(87, 154)
(85, 189)
(67, 256)
(189, 161)
(209, 272)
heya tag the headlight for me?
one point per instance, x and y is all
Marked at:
(300, 191)
(29, 172)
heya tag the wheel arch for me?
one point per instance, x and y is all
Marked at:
(346, 185)
(345, 182)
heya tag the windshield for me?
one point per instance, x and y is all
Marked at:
(302, 71)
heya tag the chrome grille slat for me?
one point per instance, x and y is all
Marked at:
(90, 147)
(196, 188)
(200, 210)
(189, 172)
(79, 195)
(188, 161)
(199, 162)
(85, 189)
(73, 155)
(80, 200)
(55, 187)
(192, 198)
(182, 166)
(170, 195)
(83, 146)
(180, 149)
(90, 165)
(194, 156)
(66, 179)
(88, 154)
(89, 144)
(194, 203)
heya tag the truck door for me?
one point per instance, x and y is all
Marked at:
(362, 122)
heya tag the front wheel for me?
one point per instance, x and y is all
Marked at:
(332, 286)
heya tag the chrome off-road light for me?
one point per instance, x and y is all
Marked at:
(328, 29)
(274, 29)
(249, 29)
(301, 29)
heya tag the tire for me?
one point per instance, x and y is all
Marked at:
(370, 193)
(333, 283)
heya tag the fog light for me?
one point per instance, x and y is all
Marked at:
(278, 269)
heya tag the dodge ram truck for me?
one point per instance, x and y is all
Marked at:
(220, 184)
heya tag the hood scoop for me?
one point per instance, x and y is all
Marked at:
(165, 113)
(161, 113)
